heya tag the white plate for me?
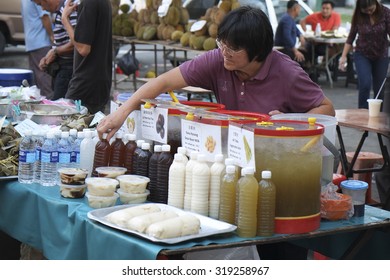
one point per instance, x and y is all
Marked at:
(208, 226)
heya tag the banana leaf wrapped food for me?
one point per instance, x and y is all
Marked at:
(9, 151)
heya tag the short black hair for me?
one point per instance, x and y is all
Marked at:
(248, 28)
(328, 2)
(291, 3)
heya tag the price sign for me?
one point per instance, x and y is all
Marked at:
(241, 146)
(154, 124)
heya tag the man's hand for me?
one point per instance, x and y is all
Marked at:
(298, 56)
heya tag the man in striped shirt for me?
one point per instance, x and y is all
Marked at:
(63, 51)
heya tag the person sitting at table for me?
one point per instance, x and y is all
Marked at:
(371, 22)
(328, 20)
(287, 33)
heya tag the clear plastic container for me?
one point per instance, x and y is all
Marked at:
(73, 191)
(132, 198)
(101, 201)
(72, 176)
(110, 171)
(101, 186)
(133, 183)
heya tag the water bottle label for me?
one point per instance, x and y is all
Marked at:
(77, 157)
(64, 157)
(38, 154)
(47, 157)
(26, 156)
(73, 157)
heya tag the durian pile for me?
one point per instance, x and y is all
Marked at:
(174, 26)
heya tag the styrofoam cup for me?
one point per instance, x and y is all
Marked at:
(374, 107)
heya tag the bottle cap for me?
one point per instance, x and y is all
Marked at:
(247, 171)
(50, 135)
(131, 137)
(104, 136)
(266, 174)
(145, 146)
(118, 135)
(166, 148)
(182, 150)
(230, 169)
(80, 134)
(88, 134)
(139, 143)
(64, 134)
(229, 161)
(178, 157)
(201, 158)
(194, 155)
(73, 132)
(218, 158)
(157, 148)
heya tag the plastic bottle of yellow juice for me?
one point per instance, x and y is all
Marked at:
(227, 206)
(248, 188)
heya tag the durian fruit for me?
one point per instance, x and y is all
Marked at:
(209, 44)
(197, 42)
(150, 33)
(219, 15)
(156, 4)
(173, 16)
(176, 35)
(167, 32)
(185, 39)
(125, 8)
(225, 5)
(140, 32)
(213, 30)
(160, 29)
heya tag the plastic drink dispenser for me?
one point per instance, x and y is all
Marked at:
(328, 155)
(291, 150)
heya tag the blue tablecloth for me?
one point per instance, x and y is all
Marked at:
(59, 226)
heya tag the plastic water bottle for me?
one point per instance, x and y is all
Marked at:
(318, 30)
(72, 135)
(26, 159)
(49, 161)
(64, 151)
(87, 152)
(75, 157)
(39, 138)
(266, 205)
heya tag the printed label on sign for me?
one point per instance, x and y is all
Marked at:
(154, 124)
(241, 146)
(190, 135)
(203, 138)
(198, 25)
(132, 122)
(164, 7)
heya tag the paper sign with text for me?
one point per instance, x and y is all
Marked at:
(164, 7)
(241, 146)
(154, 124)
(203, 138)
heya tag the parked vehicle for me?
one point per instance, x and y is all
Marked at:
(11, 24)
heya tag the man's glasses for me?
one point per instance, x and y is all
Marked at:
(226, 49)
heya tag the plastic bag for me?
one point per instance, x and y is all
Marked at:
(236, 253)
(128, 63)
(334, 205)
